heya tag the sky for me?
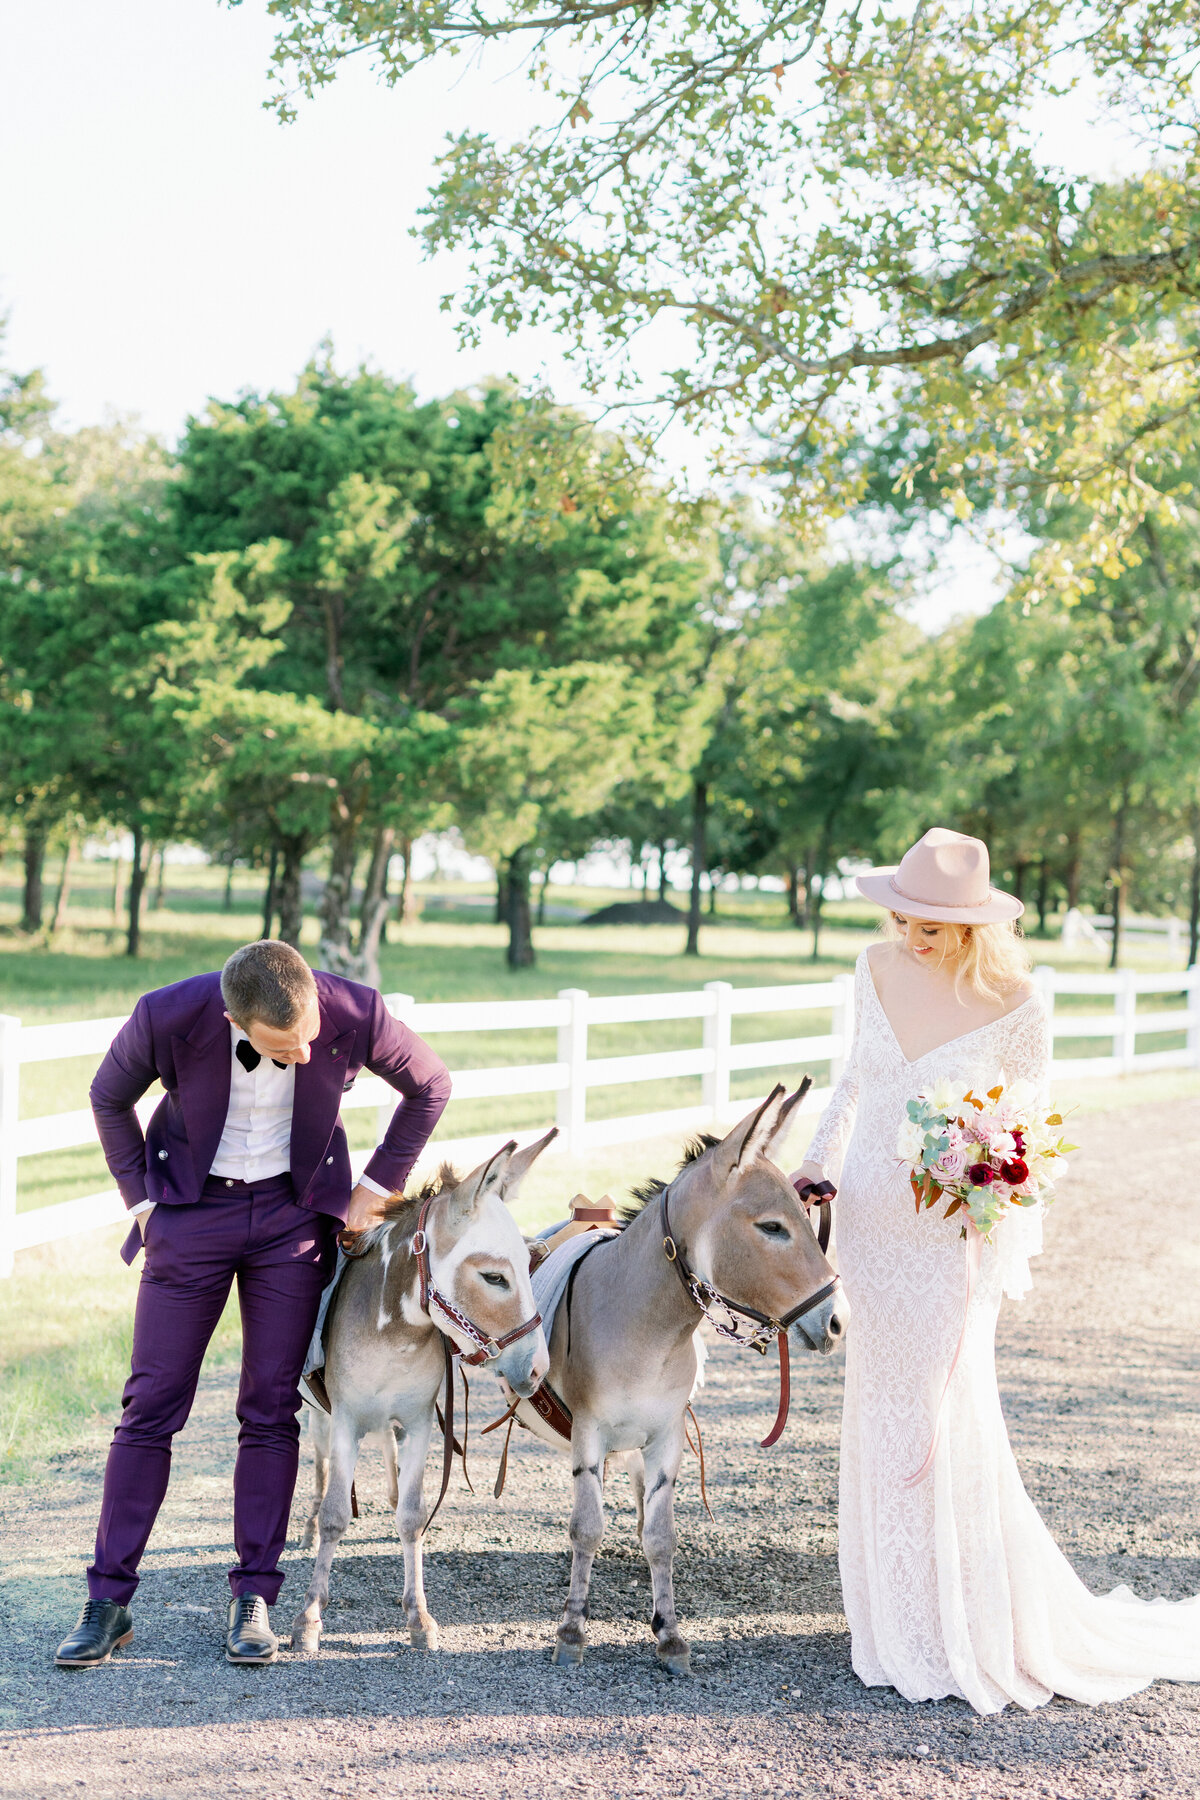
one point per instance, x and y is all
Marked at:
(163, 238)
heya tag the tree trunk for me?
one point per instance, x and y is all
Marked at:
(793, 893)
(137, 884)
(268, 918)
(1074, 864)
(406, 906)
(1020, 876)
(501, 915)
(375, 903)
(338, 899)
(699, 857)
(118, 892)
(227, 902)
(520, 930)
(1043, 895)
(64, 885)
(35, 862)
(1194, 908)
(288, 895)
(714, 882)
(1118, 877)
(542, 891)
(662, 873)
(160, 885)
(816, 896)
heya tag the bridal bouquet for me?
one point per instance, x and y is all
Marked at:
(984, 1152)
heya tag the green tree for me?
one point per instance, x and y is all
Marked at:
(834, 213)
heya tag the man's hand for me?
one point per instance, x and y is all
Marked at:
(143, 1219)
(364, 1209)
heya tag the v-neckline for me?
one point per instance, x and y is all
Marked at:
(910, 1062)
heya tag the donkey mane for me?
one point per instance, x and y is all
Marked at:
(402, 1209)
(648, 1191)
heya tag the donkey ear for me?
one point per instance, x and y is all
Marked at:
(748, 1141)
(487, 1179)
(521, 1162)
(785, 1115)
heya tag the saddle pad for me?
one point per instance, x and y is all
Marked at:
(550, 1279)
(315, 1359)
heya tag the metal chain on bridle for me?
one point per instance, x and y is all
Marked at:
(763, 1327)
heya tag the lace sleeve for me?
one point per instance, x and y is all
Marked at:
(1026, 1056)
(829, 1141)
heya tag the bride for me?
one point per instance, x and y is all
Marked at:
(952, 1583)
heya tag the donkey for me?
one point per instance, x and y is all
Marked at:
(726, 1237)
(446, 1269)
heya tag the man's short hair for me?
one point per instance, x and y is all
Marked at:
(267, 983)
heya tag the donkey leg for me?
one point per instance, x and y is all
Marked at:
(333, 1519)
(587, 1529)
(391, 1467)
(410, 1523)
(310, 1538)
(663, 1456)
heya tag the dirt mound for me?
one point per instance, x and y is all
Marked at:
(636, 912)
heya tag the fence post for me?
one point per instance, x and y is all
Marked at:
(10, 1084)
(1125, 1036)
(718, 1037)
(1043, 977)
(573, 1050)
(398, 1005)
(1193, 1014)
(842, 1025)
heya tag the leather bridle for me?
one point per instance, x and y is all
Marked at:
(487, 1348)
(705, 1296)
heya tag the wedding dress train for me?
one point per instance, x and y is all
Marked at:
(954, 1585)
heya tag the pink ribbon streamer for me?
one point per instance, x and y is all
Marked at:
(974, 1258)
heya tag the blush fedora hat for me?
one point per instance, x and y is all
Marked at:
(945, 877)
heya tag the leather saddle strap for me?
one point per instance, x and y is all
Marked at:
(785, 1393)
(447, 1431)
(697, 1450)
(824, 1225)
(575, 1268)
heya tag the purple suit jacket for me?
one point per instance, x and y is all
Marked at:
(179, 1035)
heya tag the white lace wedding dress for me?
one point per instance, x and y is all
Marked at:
(953, 1586)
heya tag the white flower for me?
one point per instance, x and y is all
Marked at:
(911, 1141)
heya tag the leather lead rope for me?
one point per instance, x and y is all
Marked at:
(697, 1450)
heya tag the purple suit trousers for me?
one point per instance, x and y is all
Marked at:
(281, 1254)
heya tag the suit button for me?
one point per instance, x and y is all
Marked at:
(333, 1053)
(229, 1184)
(162, 1156)
(329, 1162)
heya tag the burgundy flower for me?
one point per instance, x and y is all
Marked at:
(980, 1175)
(1014, 1172)
(1018, 1138)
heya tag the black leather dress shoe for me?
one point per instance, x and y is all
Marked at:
(104, 1625)
(250, 1639)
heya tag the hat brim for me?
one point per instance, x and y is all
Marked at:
(877, 886)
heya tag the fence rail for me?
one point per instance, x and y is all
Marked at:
(575, 1072)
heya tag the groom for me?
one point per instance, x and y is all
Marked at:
(243, 1173)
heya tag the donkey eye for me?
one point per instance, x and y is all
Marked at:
(494, 1280)
(771, 1228)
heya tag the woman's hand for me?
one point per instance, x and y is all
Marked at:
(810, 1184)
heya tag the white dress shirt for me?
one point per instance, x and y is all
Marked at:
(257, 1139)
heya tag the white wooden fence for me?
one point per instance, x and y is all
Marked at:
(574, 1072)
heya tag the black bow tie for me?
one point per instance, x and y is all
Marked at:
(250, 1058)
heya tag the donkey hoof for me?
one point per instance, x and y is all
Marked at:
(306, 1639)
(675, 1657)
(567, 1656)
(424, 1637)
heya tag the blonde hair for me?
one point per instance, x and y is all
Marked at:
(992, 959)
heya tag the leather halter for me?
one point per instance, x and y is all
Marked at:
(705, 1296)
(487, 1348)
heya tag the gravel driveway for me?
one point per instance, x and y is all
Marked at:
(1100, 1372)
